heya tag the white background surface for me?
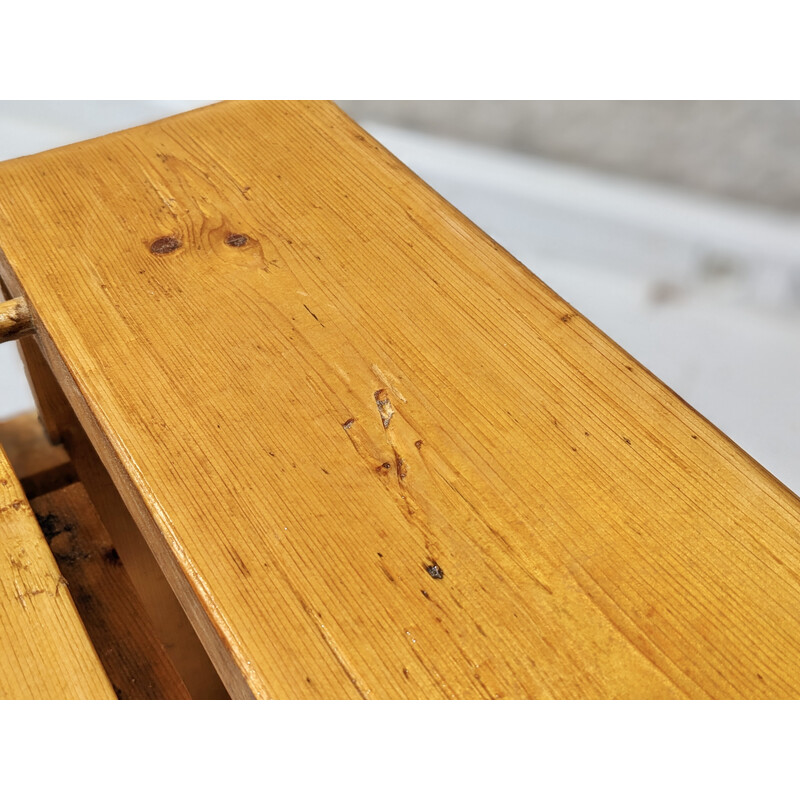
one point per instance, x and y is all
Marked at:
(705, 294)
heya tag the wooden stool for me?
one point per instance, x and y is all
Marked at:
(334, 442)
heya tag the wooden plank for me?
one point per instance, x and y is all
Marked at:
(44, 650)
(163, 609)
(373, 454)
(115, 619)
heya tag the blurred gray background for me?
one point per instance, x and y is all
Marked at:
(743, 150)
(671, 225)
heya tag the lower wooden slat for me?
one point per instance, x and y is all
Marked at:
(45, 652)
(113, 614)
(116, 618)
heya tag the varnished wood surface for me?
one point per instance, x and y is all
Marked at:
(45, 652)
(373, 454)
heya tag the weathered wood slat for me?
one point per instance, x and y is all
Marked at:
(114, 617)
(155, 597)
(45, 652)
(372, 453)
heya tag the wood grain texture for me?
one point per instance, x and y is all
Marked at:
(373, 454)
(44, 650)
(114, 617)
(157, 600)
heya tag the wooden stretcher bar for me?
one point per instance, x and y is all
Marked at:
(45, 652)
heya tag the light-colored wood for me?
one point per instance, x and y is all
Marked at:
(15, 319)
(114, 617)
(373, 454)
(44, 650)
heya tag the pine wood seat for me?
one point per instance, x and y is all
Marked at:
(45, 652)
(369, 453)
